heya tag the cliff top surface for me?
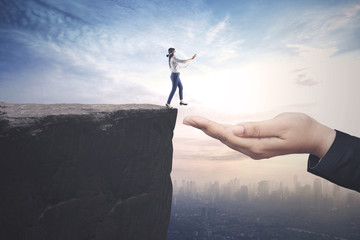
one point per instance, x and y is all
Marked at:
(24, 114)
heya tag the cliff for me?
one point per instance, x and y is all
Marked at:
(71, 171)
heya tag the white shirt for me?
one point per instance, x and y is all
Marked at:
(174, 64)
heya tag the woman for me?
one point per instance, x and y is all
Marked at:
(175, 75)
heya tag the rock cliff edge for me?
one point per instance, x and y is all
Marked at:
(73, 171)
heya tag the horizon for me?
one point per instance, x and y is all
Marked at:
(255, 60)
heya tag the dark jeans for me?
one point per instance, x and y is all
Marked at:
(176, 82)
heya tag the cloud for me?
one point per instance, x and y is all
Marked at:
(53, 12)
(50, 48)
(299, 70)
(217, 29)
(338, 20)
(109, 45)
(318, 26)
(74, 44)
(303, 80)
(332, 28)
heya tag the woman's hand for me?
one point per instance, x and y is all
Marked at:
(187, 60)
(287, 133)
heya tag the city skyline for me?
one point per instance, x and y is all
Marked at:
(317, 184)
(320, 210)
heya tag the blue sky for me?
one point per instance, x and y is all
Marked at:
(255, 59)
(95, 51)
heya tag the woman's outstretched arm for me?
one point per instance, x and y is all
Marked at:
(192, 58)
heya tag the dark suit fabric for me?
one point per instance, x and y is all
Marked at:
(341, 164)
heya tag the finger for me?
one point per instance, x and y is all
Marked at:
(211, 128)
(256, 148)
(263, 129)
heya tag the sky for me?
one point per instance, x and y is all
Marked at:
(255, 59)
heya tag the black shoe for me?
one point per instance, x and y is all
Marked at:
(181, 103)
(168, 106)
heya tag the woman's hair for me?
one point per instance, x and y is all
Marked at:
(171, 54)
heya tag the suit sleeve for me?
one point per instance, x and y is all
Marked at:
(341, 164)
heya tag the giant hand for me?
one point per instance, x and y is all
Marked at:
(287, 133)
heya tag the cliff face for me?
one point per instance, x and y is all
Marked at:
(70, 171)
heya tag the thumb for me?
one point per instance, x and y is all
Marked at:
(262, 129)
